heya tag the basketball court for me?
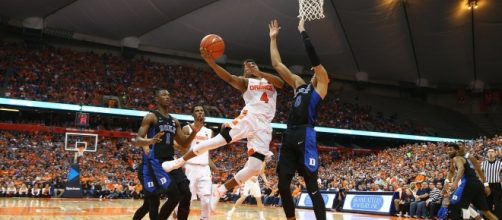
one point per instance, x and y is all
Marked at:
(67, 209)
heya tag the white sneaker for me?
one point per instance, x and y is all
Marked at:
(169, 166)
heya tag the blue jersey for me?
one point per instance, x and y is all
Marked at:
(304, 108)
(163, 149)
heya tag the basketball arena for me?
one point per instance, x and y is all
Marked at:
(251, 109)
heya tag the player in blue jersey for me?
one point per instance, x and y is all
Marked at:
(466, 184)
(156, 136)
(299, 146)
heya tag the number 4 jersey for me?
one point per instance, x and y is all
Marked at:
(260, 98)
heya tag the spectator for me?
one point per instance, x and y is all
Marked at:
(417, 208)
(404, 203)
(434, 201)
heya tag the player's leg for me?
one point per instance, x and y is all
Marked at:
(479, 200)
(258, 150)
(143, 210)
(286, 168)
(203, 188)
(178, 192)
(240, 127)
(459, 200)
(250, 169)
(244, 195)
(256, 192)
(150, 187)
(311, 165)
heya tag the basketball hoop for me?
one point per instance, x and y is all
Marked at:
(311, 9)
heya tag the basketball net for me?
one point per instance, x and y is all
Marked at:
(80, 151)
(311, 9)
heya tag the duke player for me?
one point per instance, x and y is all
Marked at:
(161, 129)
(298, 151)
(198, 169)
(259, 93)
(468, 188)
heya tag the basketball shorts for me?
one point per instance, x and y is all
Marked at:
(200, 179)
(256, 129)
(153, 178)
(298, 152)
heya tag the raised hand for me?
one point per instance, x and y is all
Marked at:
(206, 55)
(274, 28)
(197, 124)
(301, 25)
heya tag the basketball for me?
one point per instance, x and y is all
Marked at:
(214, 44)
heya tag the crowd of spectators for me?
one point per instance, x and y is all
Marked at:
(67, 76)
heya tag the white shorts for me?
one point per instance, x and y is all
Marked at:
(200, 179)
(252, 188)
(256, 129)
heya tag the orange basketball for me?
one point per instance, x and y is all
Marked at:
(213, 44)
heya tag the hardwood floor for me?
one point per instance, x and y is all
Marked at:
(79, 209)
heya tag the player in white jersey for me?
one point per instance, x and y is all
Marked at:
(252, 187)
(259, 93)
(198, 169)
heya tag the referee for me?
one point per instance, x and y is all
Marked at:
(492, 168)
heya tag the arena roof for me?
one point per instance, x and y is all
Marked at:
(396, 40)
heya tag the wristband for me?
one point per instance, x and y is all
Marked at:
(486, 184)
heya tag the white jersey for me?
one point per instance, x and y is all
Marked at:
(203, 135)
(260, 98)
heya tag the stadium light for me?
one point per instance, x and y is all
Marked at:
(136, 113)
(472, 4)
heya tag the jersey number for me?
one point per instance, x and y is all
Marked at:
(168, 138)
(264, 97)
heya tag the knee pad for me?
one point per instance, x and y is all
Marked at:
(225, 133)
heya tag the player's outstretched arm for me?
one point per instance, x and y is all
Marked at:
(291, 79)
(321, 79)
(239, 83)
